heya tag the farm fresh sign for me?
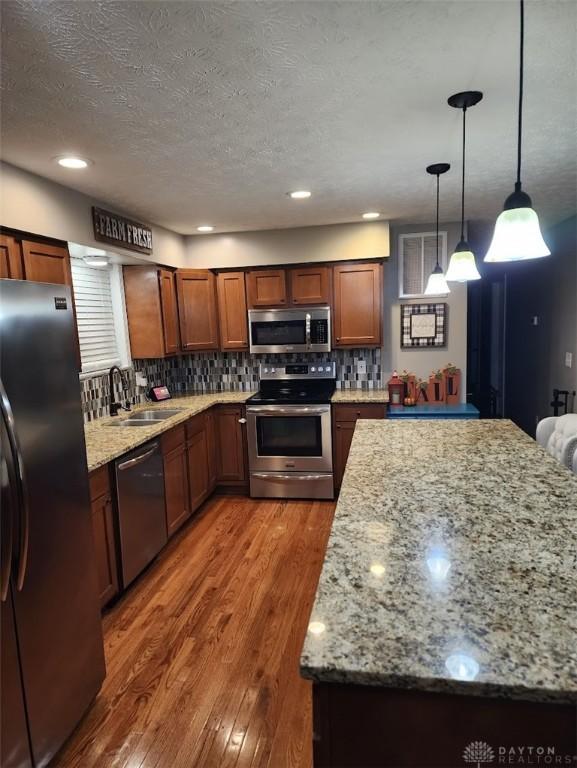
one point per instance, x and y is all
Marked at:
(117, 230)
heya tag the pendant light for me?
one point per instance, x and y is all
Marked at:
(517, 233)
(462, 266)
(436, 284)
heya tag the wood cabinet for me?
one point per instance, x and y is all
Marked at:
(152, 311)
(231, 440)
(267, 288)
(196, 290)
(197, 460)
(357, 310)
(310, 285)
(10, 258)
(104, 539)
(211, 449)
(45, 263)
(344, 421)
(176, 489)
(232, 314)
(169, 309)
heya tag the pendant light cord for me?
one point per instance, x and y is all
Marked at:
(463, 181)
(520, 125)
(437, 230)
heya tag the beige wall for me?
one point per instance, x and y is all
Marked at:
(423, 361)
(336, 242)
(33, 204)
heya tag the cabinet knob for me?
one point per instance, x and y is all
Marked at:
(242, 421)
(338, 338)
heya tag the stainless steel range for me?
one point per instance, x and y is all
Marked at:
(289, 432)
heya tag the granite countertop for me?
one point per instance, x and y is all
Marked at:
(360, 396)
(451, 565)
(105, 443)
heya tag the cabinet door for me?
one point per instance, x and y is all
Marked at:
(357, 305)
(176, 488)
(344, 431)
(10, 258)
(105, 548)
(46, 263)
(230, 439)
(310, 285)
(197, 309)
(267, 288)
(197, 457)
(169, 307)
(232, 317)
(211, 449)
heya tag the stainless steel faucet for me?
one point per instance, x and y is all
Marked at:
(114, 406)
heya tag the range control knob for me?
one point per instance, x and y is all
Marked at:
(313, 369)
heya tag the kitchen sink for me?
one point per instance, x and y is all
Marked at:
(146, 418)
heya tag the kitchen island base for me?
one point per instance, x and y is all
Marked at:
(357, 726)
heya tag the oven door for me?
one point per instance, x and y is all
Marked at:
(289, 438)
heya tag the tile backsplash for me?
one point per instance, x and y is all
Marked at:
(218, 371)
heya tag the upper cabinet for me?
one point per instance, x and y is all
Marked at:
(152, 311)
(196, 290)
(36, 261)
(310, 285)
(10, 258)
(357, 308)
(232, 317)
(267, 288)
(294, 286)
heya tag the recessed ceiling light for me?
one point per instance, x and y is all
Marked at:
(371, 215)
(205, 228)
(300, 194)
(73, 162)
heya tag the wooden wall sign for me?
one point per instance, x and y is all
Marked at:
(117, 230)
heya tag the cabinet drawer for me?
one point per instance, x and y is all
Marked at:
(195, 425)
(172, 439)
(99, 482)
(359, 411)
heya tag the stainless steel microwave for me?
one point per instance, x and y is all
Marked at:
(306, 329)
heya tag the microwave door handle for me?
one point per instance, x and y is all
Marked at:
(308, 329)
(24, 514)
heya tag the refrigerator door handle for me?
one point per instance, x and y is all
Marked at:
(24, 516)
(7, 522)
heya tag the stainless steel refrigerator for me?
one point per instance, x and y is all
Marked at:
(52, 650)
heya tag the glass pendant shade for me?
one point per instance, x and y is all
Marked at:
(462, 266)
(436, 284)
(517, 237)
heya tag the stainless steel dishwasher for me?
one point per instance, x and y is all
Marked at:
(141, 510)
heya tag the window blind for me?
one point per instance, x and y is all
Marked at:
(99, 347)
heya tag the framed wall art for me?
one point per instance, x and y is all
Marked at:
(423, 325)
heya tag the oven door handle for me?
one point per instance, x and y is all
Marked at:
(308, 329)
(294, 411)
(280, 476)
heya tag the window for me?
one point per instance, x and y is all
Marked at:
(101, 316)
(417, 258)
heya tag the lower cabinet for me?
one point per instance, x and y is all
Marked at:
(103, 527)
(344, 422)
(212, 449)
(231, 440)
(176, 489)
(197, 460)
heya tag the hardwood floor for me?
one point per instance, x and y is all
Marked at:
(202, 652)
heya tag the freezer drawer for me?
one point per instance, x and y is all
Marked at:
(141, 508)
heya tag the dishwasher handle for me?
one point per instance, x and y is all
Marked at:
(138, 459)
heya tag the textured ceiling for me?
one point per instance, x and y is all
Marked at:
(200, 112)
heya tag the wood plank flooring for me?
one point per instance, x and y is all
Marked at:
(202, 652)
